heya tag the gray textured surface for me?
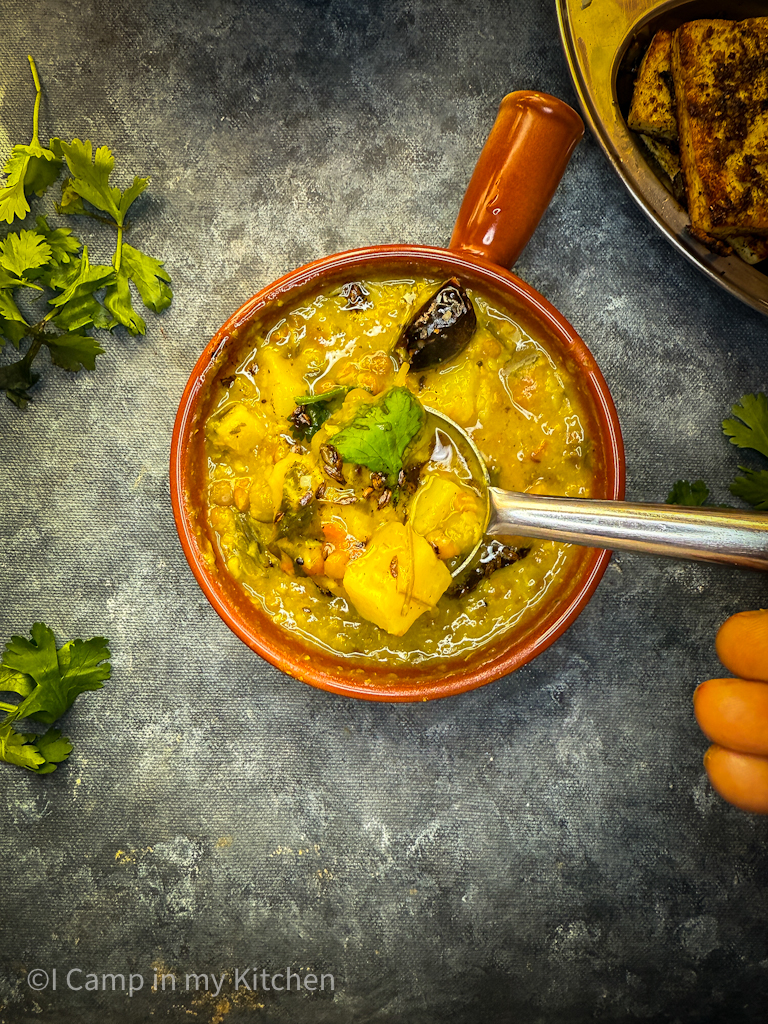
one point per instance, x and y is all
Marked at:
(545, 849)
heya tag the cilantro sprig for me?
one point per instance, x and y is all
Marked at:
(747, 429)
(29, 168)
(42, 683)
(686, 493)
(52, 263)
(380, 432)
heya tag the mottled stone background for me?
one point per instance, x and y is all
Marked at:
(546, 849)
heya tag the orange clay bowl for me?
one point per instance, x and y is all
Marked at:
(515, 178)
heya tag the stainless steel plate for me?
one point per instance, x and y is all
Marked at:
(602, 40)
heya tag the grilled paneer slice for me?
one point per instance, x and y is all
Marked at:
(751, 248)
(720, 74)
(652, 111)
(669, 162)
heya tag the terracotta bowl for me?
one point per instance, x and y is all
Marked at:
(518, 171)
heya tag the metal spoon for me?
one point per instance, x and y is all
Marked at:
(704, 534)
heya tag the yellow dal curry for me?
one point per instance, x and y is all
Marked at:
(341, 507)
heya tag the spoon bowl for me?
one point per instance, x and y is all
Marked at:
(728, 536)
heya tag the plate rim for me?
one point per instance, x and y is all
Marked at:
(731, 273)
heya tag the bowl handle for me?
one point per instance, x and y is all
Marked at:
(516, 176)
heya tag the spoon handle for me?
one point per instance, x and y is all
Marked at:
(705, 534)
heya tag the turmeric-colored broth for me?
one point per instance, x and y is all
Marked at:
(513, 397)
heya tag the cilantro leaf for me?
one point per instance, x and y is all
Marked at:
(16, 379)
(752, 487)
(11, 330)
(15, 682)
(64, 245)
(8, 308)
(21, 251)
(312, 411)
(48, 681)
(90, 180)
(36, 658)
(13, 326)
(13, 200)
(61, 676)
(40, 754)
(87, 661)
(71, 202)
(19, 747)
(689, 494)
(90, 175)
(750, 429)
(117, 299)
(77, 306)
(51, 257)
(152, 283)
(132, 193)
(29, 168)
(42, 170)
(55, 748)
(61, 276)
(339, 391)
(380, 432)
(74, 351)
(149, 276)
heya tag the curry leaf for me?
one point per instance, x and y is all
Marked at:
(312, 411)
(325, 396)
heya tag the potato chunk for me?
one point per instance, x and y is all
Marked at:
(397, 579)
(448, 515)
(240, 429)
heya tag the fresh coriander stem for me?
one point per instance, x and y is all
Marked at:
(32, 351)
(118, 249)
(38, 95)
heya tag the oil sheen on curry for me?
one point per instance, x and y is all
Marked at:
(343, 508)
